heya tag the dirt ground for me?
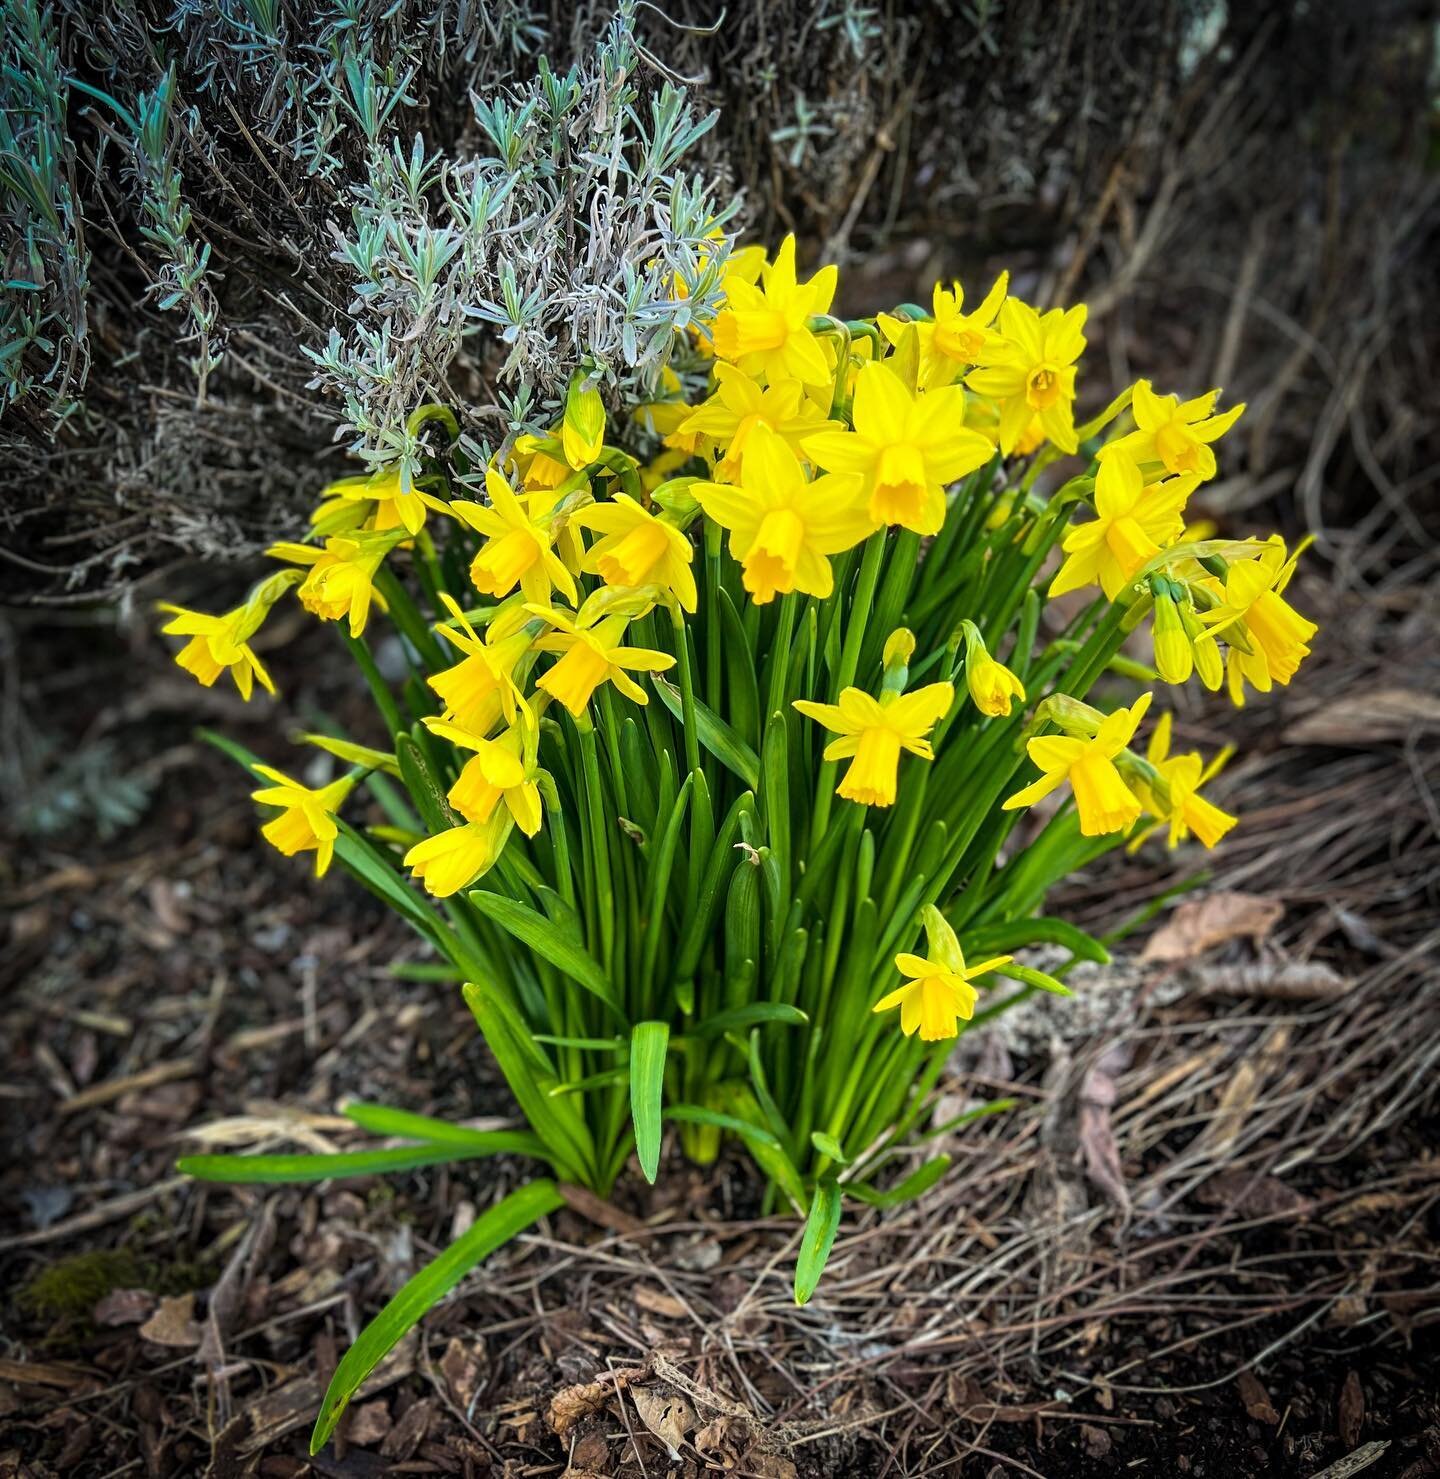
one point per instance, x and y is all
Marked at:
(1206, 1242)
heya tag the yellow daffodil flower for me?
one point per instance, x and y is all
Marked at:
(220, 644)
(765, 329)
(1268, 638)
(590, 653)
(875, 731)
(1174, 432)
(905, 448)
(536, 464)
(637, 549)
(499, 769)
(481, 688)
(991, 684)
(1105, 803)
(342, 574)
(783, 527)
(1183, 775)
(955, 338)
(938, 993)
(739, 405)
(518, 544)
(378, 500)
(1028, 369)
(460, 856)
(307, 818)
(1133, 524)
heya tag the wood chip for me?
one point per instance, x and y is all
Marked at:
(1256, 1399)
(115, 1088)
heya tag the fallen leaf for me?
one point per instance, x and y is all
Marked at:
(1256, 1399)
(668, 1415)
(367, 1424)
(173, 1323)
(570, 1404)
(771, 1466)
(1200, 924)
(659, 1303)
(462, 1366)
(124, 1307)
(1351, 1410)
(1367, 718)
(1250, 1195)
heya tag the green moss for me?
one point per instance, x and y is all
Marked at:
(69, 1288)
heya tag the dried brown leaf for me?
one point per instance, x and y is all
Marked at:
(1350, 1413)
(667, 1414)
(124, 1307)
(1200, 924)
(173, 1323)
(570, 1404)
(1256, 1399)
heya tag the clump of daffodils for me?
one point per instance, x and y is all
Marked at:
(739, 719)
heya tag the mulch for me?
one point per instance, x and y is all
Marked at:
(1206, 1241)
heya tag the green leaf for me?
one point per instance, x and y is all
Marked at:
(237, 752)
(821, 1226)
(907, 1190)
(648, 1042)
(537, 932)
(1001, 939)
(715, 734)
(489, 1231)
(695, 1114)
(425, 790)
(247, 1170)
(381, 1119)
(741, 1017)
(828, 1145)
(1032, 977)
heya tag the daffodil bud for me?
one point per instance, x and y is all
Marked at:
(1208, 662)
(583, 432)
(1174, 656)
(992, 685)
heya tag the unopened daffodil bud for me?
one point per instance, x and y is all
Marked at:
(992, 685)
(1174, 656)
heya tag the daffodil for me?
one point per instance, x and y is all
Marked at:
(536, 464)
(937, 994)
(1105, 803)
(519, 540)
(904, 447)
(1177, 800)
(1133, 523)
(1028, 369)
(954, 339)
(220, 644)
(582, 429)
(991, 684)
(590, 652)
(307, 817)
(379, 500)
(1174, 432)
(456, 858)
(765, 329)
(341, 580)
(637, 549)
(783, 526)
(739, 405)
(1268, 638)
(499, 770)
(874, 732)
(480, 689)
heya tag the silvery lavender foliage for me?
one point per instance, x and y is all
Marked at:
(575, 240)
(44, 347)
(308, 222)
